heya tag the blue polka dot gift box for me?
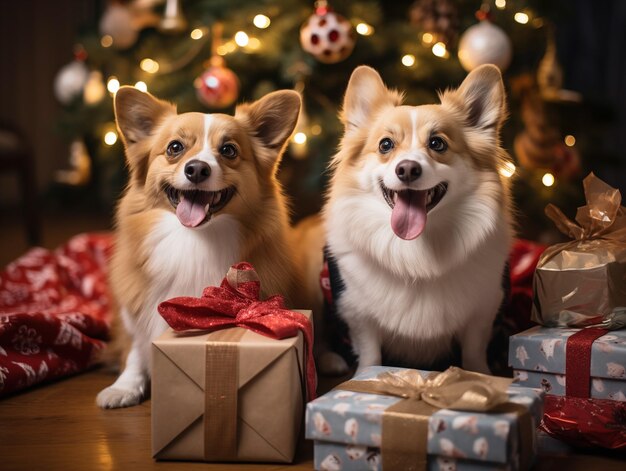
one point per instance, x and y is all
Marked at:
(389, 418)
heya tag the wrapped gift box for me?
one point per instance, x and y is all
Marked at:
(538, 356)
(207, 408)
(581, 283)
(347, 429)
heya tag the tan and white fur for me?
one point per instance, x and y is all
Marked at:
(419, 279)
(202, 196)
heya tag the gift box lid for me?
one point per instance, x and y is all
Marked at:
(543, 349)
(356, 418)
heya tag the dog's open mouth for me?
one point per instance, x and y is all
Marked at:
(195, 207)
(410, 207)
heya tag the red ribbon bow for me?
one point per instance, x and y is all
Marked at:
(236, 303)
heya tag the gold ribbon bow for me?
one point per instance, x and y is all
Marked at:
(453, 389)
(601, 217)
(405, 423)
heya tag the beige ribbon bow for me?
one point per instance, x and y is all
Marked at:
(602, 216)
(453, 389)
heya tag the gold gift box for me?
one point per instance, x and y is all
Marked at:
(228, 395)
(582, 282)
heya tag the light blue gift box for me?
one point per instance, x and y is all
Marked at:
(537, 357)
(347, 428)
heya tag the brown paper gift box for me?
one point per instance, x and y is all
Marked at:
(270, 398)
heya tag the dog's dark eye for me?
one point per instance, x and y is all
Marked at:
(385, 145)
(229, 151)
(437, 144)
(175, 148)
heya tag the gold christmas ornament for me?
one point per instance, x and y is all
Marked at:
(550, 75)
(79, 172)
(95, 89)
(173, 20)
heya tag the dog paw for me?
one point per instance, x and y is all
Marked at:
(113, 398)
(331, 364)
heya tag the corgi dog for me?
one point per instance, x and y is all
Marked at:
(418, 220)
(202, 195)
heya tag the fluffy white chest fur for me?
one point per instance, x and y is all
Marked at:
(182, 262)
(418, 319)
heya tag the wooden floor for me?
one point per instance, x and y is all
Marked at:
(59, 427)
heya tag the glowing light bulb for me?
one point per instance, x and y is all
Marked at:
(113, 85)
(508, 170)
(408, 60)
(106, 40)
(521, 17)
(364, 29)
(196, 34)
(110, 138)
(299, 138)
(570, 140)
(439, 49)
(501, 4)
(141, 86)
(149, 65)
(241, 39)
(427, 38)
(254, 44)
(261, 21)
(548, 179)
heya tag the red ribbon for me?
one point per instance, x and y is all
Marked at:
(236, 303)
(578, 361)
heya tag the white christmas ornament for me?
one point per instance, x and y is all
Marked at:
(485, 43)
(327, 36)
(70, 81)
(118, 22)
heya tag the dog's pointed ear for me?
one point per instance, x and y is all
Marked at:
(480, 98)
(271, 119)
(137, 113)
(365, 95)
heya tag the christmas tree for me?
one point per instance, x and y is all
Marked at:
(208, 55)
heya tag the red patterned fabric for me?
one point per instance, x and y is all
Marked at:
(54, 312)
(236, 303)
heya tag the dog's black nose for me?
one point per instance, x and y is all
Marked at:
(408, 171)
(197, 171)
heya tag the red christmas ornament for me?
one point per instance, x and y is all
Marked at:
(327, 35)
(218, 86)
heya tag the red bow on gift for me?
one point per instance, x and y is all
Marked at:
(236, 303)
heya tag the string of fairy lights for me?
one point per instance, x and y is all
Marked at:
(247, 42)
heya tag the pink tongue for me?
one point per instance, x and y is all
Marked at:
(408, 217)
(191, 210)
